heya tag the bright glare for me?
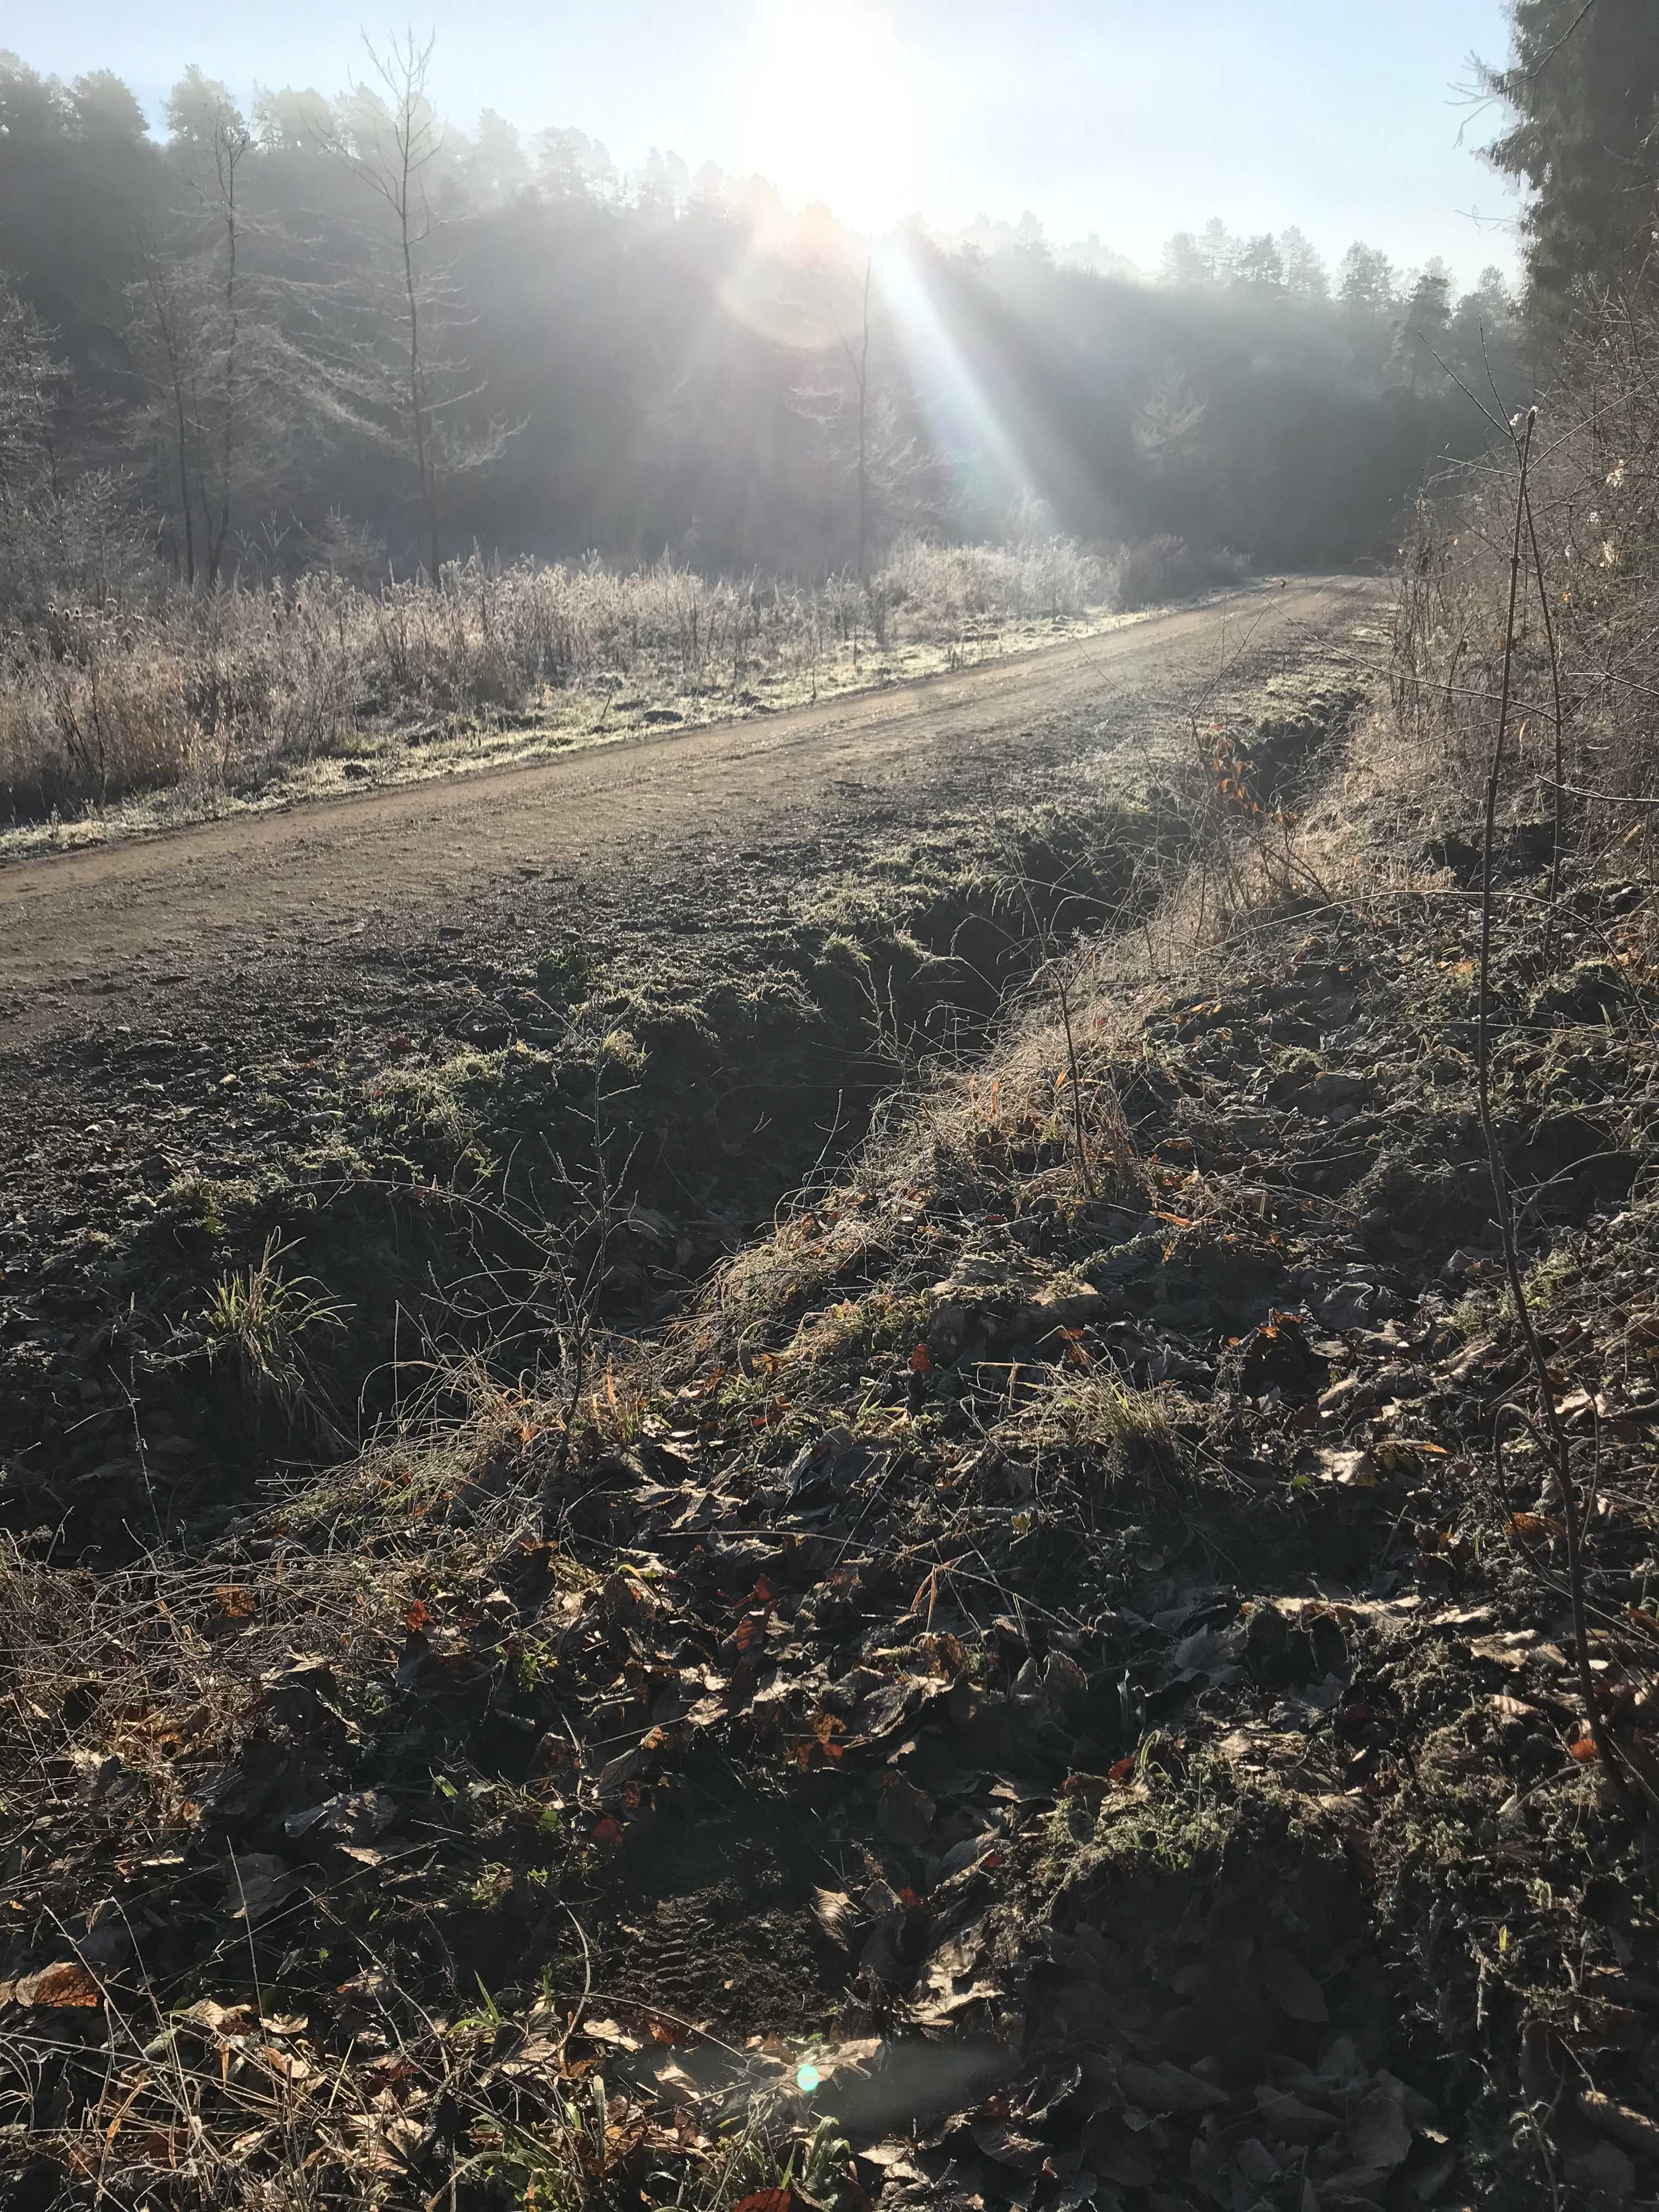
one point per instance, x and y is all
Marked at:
(832, 109)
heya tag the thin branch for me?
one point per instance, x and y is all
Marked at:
(1539, 66)
(1560, 741)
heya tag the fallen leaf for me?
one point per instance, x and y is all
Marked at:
(1292, 1988)
(1536, 1528)
(65, 1984)
(921, 1361)
(1023, 2153)
(1167, 2087)
(833, 1910)
(1634, 2130)
(904, 1814)
(1378, 2134)
(257, 1883)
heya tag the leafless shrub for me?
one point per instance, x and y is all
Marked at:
(950, 586)
(1585, 643)
(1153, 569)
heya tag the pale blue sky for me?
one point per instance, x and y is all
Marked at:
(1130, 118)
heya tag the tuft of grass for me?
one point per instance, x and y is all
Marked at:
(263, 1324)
(1131, 1430)
(1171, 1815)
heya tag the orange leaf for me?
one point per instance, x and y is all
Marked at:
(1536, 1528)
(236, 1603)
(67, 1984)
(608, 1830)
(921, 1361)
(1584, 1748)
(416, 1617)
(1121, 1769)
(766, 2200)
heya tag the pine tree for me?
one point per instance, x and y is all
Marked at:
(1260, 264)
(1183, 262)
(1366, 279)
(1582, 88)
(1423, 326)
(1305, 276)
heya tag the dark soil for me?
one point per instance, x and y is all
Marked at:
(1025, 1689)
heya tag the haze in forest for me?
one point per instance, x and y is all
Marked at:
(367, 328)
(1103, 117)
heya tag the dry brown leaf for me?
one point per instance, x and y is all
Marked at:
(1167, 2087)
(65, 1984)
(1536, 1528)
(1292, 2120)
(1291, 1987)
(1635, 2130)
(1025, 2153)
(1379, 2135)
(833, 1910)
(904, 1814)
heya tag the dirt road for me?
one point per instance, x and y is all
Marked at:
(657, 832)
(291, 1026)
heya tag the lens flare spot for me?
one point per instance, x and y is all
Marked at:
(807, 2078)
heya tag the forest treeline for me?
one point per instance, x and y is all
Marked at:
(208, 357)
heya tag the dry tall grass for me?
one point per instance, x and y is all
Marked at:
(224, 687)
(1587, 664)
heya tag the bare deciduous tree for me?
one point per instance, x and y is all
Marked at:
(191, 330)
(166, 347)
(852, 403)
(412, 395)
(231, 140)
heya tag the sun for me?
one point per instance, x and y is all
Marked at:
(832, 108)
